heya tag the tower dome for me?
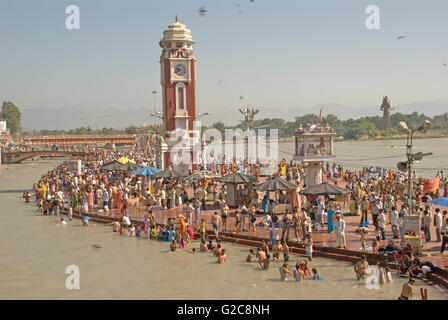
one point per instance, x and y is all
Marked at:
(176, 36)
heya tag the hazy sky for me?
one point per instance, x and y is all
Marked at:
(276, 53)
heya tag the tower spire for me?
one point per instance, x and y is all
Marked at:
(176, 18)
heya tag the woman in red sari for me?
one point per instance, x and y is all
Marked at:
(90, 199)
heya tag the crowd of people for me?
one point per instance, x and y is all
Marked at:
(378, 196)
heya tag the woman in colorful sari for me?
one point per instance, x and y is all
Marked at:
(119, 198)
(75, 199)
(330, 216)
(182, 225)
(265, 203)
(91, 197)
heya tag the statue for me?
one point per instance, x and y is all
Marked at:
(386, 108)
(249, 116)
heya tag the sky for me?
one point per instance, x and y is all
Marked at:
(274, 53)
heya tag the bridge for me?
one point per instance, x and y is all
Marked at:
(18, 157)
(125, 139)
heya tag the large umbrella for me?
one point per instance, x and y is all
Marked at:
(125, 160)
(324, 189)
(117, 166)
(129, 166)
(442, 201)
(167, 173)
(275, 183)
(202, 174)
(146, 171)
(238, 177)
(112, 166)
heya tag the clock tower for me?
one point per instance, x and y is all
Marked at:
(178, 80)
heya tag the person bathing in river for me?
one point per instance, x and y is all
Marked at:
(309, 247)
(284, 271)
(26, 196)
(203, 246)
(210, 246)
(218, 250)
(361, 267)
(285, 249)
(261, 255)
(173, 246)
(265, 262)
(298, 274)
(276, 249)
(222, 257)
(250, 256)
(303, 266)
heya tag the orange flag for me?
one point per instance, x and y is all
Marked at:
(431, 185)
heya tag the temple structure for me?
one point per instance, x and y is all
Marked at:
(314, 144)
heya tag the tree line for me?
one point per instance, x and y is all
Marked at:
(368, 127)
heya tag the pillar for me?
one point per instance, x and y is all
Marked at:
(314, 173)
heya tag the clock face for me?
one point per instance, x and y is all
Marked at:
(180, 69)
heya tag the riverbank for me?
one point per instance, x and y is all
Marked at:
(152, 271)
(417, 135)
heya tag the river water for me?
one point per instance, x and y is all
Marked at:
(35, 252)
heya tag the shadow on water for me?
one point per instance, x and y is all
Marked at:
(11, 191)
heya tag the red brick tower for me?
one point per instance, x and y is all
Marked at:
(178, 80)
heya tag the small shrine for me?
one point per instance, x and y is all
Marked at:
(314, 144)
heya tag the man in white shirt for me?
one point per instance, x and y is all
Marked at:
(400, 227)
(163, 198)
(403, 210)
(105, 198)
(126, 220)
(394, 221)
(375, 211)
(320, 212)
(381, 220)
(426, 224)
(438, 223)
(339, 226)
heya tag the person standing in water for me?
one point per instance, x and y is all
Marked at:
(222, 257)
(361, 267)
(407, 290)
(284, 271)
(216, 222)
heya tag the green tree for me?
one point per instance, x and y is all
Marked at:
(13, 117)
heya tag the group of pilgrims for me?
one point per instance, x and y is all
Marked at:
(377, 195)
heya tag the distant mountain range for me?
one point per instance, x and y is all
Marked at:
(69, 118)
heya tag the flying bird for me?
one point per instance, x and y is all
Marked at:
(202, 11)
(444, 64)
(241, 97)
(220, 81)
(401, 37)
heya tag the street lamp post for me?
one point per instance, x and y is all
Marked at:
(154, 95)
(411, 157)
(197, 116)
